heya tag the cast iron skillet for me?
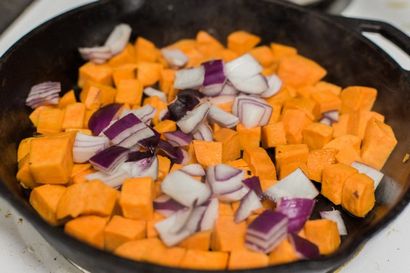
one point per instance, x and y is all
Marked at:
(49, 53)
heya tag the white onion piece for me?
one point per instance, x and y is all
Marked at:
(146, 167)
(244, 66)
(332, 115)
(118, 38)
(228, 90)
(224, 178)
(86, 146)
(252, 111)
(274, 86)
(255, 84)
(203, 132)
(166, 206)
(185, 189)
(335, 216)
(374, 174)
(152, 92)
(174, 57)
(182, 216)
(192, 119)
(164, 229)
(235, 195)
(193, 170)
(114, 179)
(294, 185)
(45, 93)
(146, 113)
(194, 222)
(210, 215)
(189, 78)
(223, 118)
(326, 121)
(221, 99)
(98, 55)
(248, 204)
(212, 90)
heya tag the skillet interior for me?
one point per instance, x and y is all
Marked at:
(49, 53)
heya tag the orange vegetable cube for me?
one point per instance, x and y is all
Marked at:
(50, 121)
(106, 95)
(229, 55)
(280, 51)
(127, 56)
(317, 160)
(120, 230)
(333, 179)
(208, 153)
(136, 198)
(191, 154)
(306, 92)
(93, 98)
(358, 194)
(228, 235)
(164, 164)
(225, 209)
(231, 147)
(310, 107)
(355, 98)
(245, 259)
(340, 127)
(151, 231)
(276, 112)
(290, 157)
(283, 253)
(99, 73)
(166, 126)
(158, 104)
(348, 147)
(326, 101)
(273, 135)
(146, 51)
(138, 250)
(239, 164)
(148, 73)
(199, 241)
(24, 175)
(205, 260)
(295, 121)
(324, 234)
(124, 72)
(89, 229)
(36, 113)
(129, 91)
(249, 137)
(316, 135)
(359, 120)
(74, 116)
(66, 99)
(242, 41)
(44, 200)
(264, 55)
(166, 82)
(24, 148)
(260, 163)
(325, 86)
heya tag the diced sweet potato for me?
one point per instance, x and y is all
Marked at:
(317, 160)
(208, 152)
(74, 116)
(290, 157)
(340, 127)
(260, 163)
(324, 234)
(166, 83)
(24, 148)
(136, 198)
(89, 229)
(164, 165)
(137, 250)
(159, 106)
(355, 98)
(242, 41)
(316, 135)
(249, 137)
(51, 158)
(280, 51)
(246, 259)
(151, 231)
(106, 95)
(333, 179)
(148, 73)
(267, 183)
(99, 73)
(282, 96)
(44, 200)
(273, 135)
(209, 47)
(240, 164)
(24, 175)
(283, 253)
(199, 241)
(93, 98)
(66, 99)
(166, 126)
(327, 101)
(326, 86)
(191, 154)
(378, 143)
(310, 107)
(145, 50)
(127, 56)
(50, 121)
(297, 71)
(358, 194)
(276, 112)
(120, 230)
(36, 113)
(231, 147)
(225, 209)
(227, 235)
(124, 72)
(264, 55)
(295, 121)
(205, 260)
(359, 120)
(306, 91)
(129, 91)
(348, 147)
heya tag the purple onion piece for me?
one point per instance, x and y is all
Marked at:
(224, 179)
(178, 138)
(252, 111)
(174, 57)
(138, 155)
(305, 248)
(192, 119)
(222, 117)
(254, 184)
(255, 85)
(184, 102)
(107, 160)
(102, 118)
(214, 72)
(166, 205)
(45, 93)
(210, 215)
(249, 203)
(298, 211)
(203, 132)
(174, 153)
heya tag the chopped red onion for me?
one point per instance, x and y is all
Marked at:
(224, 179)
(266, 231)
(304, 248)
(252, 112)
(298, 211)
(189, 78)
(145, 113)
(183, 217)
(174, 57)
(138, 155)
(249, 203)
(109, 159)
(242, 67)
(193, 170)
(45, 93)
(185, 189)
(86, 146)
(114, 179)
(374, 174)
(274, 86)
(193, 118)
(254, 184)
(221, 100)
(178, 138)
(152, 92)
(335, 216)
(102, 118)
(332, 115)
(183, 103)
(326, 121)
(234, 195)
(212, 90)
(210, 215)
(194, 221)
(214, 72)
(166, 206)
(166, 233)
(228, 90)
(118, 38)
(295, 185)
(203, 132)
(146, 167)
(222, 118)
(176, 154)
(97, 55)
(256, 84)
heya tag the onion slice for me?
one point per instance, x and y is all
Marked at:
(222, 118)
(335, 216)
(152, 92)
(166, 234)
(244, 66)
(210, 215)
(189, 78)
(234, 195)
(248, 204)
(114, 179)
(178, 138)
(193, 118)
(146, 167)
(274, 86)
(109, 159)
(45, 93)
(166, 206)
(374, 174)
(252, 111)
(256, 84)
(298, 211)
(102, 118)
(176, 154)
(303, 247)
(118, 38)
(203, 132)
(224, 179)
(86, 146)
(193, 170)
(145, 113)
(254, 184)
(174, 57)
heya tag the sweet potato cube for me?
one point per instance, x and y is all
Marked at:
(158, 104)
(136, 198)
(129, 91)
(228, 235)
(166, 83)
(242, 41)
(50, 121)
(199, 241)
(276, 112)
(191, 154)
(324, 234)
(260, 163)
(89, 229)
(93, 98)
(297, 71)
(151, 231)
(378, 143)
(325, 86)
(225, 209)
(316, 135)
(44, 200)
(358, 194)
(24, 175)
(164, 164)
(273, 135)
(264, 55)
(295, 121)
(74, 116)
(290, 157)
(317, 160)
(66, 99)
(51, 158)
(148, 73)
(145, 50)
(348, 147)
(137, 250)
(340, 127)
(327, 101)
(355, 98)
(24, 148)
(307, 105)
(231, 146)
(246, 259)
(333, 179)
(106, 95)
(120, 230)
(36, 113)
(283, 253)
(99, 73)
(208, 152)
(127, 56)
(205, 260)
(124, 72)
(280, 51)
(359, 120)
(166, 126)
(249, 137)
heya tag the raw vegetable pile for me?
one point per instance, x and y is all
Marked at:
(162, 155)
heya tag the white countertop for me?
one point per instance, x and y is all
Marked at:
(389, 251)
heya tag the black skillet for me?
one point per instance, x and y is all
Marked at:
(49, 53)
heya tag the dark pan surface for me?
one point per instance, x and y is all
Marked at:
(49, 53)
